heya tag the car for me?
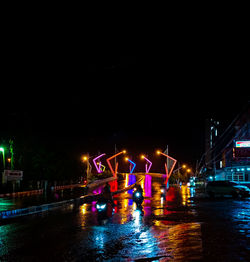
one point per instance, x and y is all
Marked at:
(223, 188)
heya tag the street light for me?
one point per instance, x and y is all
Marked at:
(86, 158)
(146, 166)
(2, 150)
(131, 162)
(166, 166)
(114, 172)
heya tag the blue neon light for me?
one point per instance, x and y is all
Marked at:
(133, 166)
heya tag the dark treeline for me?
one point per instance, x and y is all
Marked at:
(44, 159)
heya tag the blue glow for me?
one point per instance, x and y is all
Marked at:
(101, 206)
(133, 166)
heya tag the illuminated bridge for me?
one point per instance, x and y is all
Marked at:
(113, 165)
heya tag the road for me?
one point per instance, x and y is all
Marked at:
(176, 228)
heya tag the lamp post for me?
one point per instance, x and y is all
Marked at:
(147, 168)
(168, 174)
(114, 172)
(132, 163)
(89, 167)
(2, 150)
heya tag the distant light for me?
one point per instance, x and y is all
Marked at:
(242, 169)
(2, 149)
(211, 178)
(248, 169)
(242, 143)
(85, 158)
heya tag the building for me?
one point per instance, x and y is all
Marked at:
(228, 158)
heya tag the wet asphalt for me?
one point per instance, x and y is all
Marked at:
(177, 227)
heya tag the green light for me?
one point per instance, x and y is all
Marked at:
(2, 150)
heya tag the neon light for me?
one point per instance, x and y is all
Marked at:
(148, 186)
(150, 164)
(166, 167)
(94, 161)
(101, 167)
(133, 163)
(114, 172)
(242, 143)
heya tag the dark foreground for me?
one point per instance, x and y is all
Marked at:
(175, 228)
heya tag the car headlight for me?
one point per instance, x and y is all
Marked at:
(101, 207)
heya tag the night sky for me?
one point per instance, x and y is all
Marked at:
(139, 98)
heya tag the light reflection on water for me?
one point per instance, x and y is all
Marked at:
(160, 238)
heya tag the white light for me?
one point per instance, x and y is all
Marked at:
(137, 194)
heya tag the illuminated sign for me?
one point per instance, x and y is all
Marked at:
(242, 143)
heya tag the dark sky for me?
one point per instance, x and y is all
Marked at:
(140, 97)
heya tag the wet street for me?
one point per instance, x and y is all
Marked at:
(177, 227)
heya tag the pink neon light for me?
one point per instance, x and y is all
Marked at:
(150, 164)
(166, 167)
(98, 168)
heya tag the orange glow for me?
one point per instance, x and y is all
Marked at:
(166, 167)
(84, 158)
(114, 172)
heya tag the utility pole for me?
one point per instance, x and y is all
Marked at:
(115, 154)
(166, 152)
(12, 154)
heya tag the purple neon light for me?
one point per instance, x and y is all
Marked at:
(94, 160)
(150, 164)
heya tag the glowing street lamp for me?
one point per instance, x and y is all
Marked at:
(146, 166)
(133, 163)
(2, 150)
(166, 167)
(114, 172)
(86, 158)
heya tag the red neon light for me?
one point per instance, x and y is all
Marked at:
(114, 172)
(166, 167)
